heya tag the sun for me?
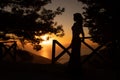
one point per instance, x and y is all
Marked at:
(47, 40)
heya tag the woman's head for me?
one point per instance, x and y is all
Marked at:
(77, 17)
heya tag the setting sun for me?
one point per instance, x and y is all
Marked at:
(46, 40)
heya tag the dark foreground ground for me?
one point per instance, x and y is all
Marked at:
(93, 69)
(28, 71)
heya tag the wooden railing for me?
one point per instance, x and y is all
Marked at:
(66, 50)
(8, 48)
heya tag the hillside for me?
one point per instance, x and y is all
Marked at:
(34, 67)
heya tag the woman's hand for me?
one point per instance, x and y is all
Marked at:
(82, 40)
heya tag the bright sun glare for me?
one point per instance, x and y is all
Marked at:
(47, 40)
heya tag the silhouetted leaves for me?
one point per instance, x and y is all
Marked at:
(102, 19)
(99, 17)
(28, 18)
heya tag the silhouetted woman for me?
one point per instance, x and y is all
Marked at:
(77, 30)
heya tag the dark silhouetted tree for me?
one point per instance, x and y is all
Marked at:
(99, 16)
(27, 19)
(102, 19)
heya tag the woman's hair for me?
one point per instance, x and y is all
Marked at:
(78, 17)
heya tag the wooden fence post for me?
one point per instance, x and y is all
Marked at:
(53, 52)
(94, 51)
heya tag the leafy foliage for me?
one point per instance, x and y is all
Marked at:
(102, 19)
(99, 18)
(28, 18)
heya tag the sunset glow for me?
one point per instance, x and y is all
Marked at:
(47, 40)
(66, 19)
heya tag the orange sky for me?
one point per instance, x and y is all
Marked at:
(66, 19)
